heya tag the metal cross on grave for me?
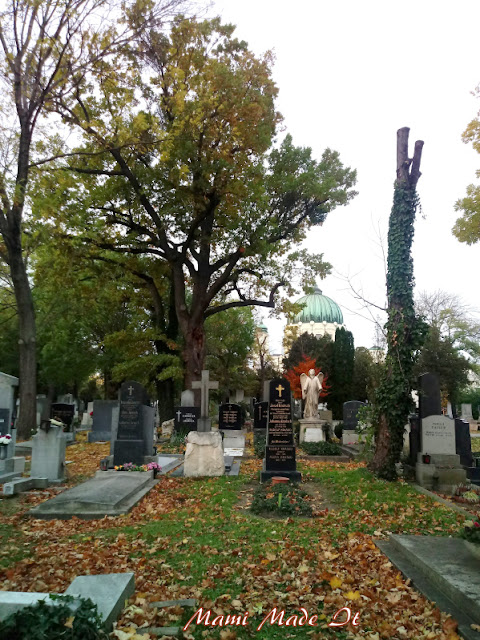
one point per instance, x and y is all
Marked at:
(205, 385)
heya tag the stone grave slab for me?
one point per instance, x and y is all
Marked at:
(109, 493)
(107, 591)
(444, 570)
(234, 439)
(18, 485)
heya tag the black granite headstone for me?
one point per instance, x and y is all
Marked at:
(64, 412)
(414, 438)
(429, 401)
(463, 442)
(350, 420)
(105, 421)
(129, 445)
(280, 448)
(4, 421)
(129, 422)
(230, 416)
(186, 418)
(260, 415)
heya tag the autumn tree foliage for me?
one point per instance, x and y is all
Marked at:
(47, 50)
(182, 168)
(293, 376)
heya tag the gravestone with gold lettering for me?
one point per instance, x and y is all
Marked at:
(280, 448)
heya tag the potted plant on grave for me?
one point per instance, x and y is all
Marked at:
(4, 442)
(471, 535)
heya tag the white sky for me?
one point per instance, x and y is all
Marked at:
(350, 74)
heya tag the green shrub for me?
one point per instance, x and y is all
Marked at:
(284, 499)
(63, 620)
(259, 442)
(321, 448)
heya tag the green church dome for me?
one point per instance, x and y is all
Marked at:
(318, 308)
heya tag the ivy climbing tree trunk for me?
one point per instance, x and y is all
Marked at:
(404, 331)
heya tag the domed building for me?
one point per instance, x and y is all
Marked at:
(320, 316)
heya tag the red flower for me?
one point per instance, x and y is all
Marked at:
(476, 524)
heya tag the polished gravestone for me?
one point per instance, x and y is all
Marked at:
(104, 420)
(186, 418)
(136, 424)
(260, 415)
(280, 448)
(230, 416)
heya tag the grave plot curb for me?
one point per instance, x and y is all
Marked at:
(446, 503)
(323, 458)
(433, 585)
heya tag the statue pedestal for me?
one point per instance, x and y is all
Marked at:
(315, 424)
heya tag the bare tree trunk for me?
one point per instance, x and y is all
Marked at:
(26, 422)
(194, 356)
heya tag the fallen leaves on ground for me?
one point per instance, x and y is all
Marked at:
(185, 539)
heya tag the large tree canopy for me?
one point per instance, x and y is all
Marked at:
(177, 164)
(47, 49)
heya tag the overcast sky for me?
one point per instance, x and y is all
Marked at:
(350, 74)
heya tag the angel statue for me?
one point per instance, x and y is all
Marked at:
(311, 389)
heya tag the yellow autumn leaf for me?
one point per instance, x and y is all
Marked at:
(69, 622)
(353, 595)
(335, 583)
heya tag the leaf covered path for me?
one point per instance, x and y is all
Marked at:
(192, 539)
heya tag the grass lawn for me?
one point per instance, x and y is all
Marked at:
(197, 539)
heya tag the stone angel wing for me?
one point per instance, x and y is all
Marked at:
(320, 378)
(303, 383)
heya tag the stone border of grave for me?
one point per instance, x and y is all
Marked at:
(443, 570)
(441, 500)
(305, 456)
(108, 591)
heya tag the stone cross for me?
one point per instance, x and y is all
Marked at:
(205, 385)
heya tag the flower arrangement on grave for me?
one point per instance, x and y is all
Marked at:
(5, 440)
(467, 493)
(471, 531)
(129, 466)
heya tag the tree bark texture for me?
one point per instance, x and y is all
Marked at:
(26, 422)
(404, 334)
